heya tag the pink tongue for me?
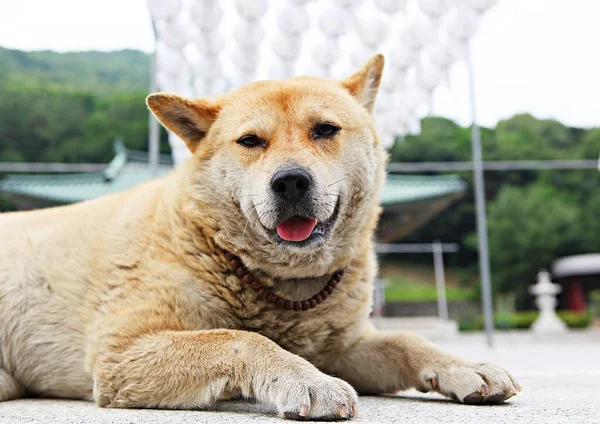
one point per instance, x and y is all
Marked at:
(296, 229)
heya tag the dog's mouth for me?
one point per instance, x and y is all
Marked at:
(296, 228)
(301, 231)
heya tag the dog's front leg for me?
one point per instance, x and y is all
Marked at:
(191, 369)
(386, 363)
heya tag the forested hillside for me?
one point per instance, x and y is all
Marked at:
(70, 106)
(90, 71)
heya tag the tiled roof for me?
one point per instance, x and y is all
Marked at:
(401, 189)
(130, 167)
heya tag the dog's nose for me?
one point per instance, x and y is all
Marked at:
(291, 184)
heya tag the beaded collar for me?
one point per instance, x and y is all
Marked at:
(245, 276)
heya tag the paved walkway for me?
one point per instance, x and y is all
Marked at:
(560, 377)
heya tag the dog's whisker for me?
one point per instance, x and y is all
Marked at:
(339, 181)
(252, 210)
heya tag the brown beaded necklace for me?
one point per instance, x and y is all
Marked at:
(244, 275)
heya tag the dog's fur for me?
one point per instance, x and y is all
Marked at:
(129, 300)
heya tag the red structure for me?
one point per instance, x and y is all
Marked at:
(575, 297)
(578, 275)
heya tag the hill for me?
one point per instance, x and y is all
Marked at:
(91, 71)
(69, 107)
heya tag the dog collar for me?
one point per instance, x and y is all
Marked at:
(267, 294)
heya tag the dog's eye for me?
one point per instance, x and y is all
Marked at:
(325, 130)
(251, 140)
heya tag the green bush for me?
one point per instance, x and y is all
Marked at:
(401, 289)
(594, 303)
(523, 320)
(576, 319)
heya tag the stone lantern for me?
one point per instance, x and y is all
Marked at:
(545, 292)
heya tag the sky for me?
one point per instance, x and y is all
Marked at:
(535, 56)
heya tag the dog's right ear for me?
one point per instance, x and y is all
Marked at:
(189, 119)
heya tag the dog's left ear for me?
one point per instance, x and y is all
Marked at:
(364, 84)
(189, 119)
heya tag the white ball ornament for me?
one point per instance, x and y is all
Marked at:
(418, 33)
(334, 21)
(280, 69)
(461, 24)
(162, 10)
(360, 54)
(348, 4)
(168, 60)
(393, 79)
(429, 77)
(440, 55)
(210, 43)
(316, 70)
(434, 8)
(390, 6)
(251, 10)
(208, 69)
(206, 16)
(293, 19)
(287, 47)
(479, 6)
(372, 31)
(325, 52)
(402, 57)
(175, 34)
(248, 33)
(246, 59)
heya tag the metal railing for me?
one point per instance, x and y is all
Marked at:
(438, 249)
(492, 165)
(50, 167)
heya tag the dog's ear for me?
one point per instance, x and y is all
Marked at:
(364, 83)
(189, 119)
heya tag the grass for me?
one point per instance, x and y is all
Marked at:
(523, 320)
(404, 289)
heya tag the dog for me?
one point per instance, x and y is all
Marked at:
(248, 271)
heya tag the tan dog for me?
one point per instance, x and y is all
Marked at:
(131, 299)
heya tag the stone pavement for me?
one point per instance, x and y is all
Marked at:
(560, 377)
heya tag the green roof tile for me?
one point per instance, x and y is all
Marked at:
(130, 168)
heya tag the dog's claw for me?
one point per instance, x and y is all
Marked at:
(343, 412)
(497, 398)
(485, 390)
(304, 410)
(354, 410)
(434, 383)
(474, 398)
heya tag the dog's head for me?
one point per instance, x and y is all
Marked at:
(288, 172)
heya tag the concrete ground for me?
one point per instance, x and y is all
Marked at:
(560, 377)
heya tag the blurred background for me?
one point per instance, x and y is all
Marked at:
(488, 109)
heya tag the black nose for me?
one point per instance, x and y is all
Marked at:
(291, 184)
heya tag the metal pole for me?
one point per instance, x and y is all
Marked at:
(484, 259)
(440, 279)
(493, 165)
(154, 129)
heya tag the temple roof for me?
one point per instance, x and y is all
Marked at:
(130, 167)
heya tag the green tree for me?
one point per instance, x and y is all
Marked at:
(529, 228)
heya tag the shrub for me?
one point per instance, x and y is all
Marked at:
(523, 320)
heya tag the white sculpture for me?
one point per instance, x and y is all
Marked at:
(206, 47)
(545, 291)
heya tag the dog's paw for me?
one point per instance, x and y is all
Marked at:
(314, 396)
(473, 384)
